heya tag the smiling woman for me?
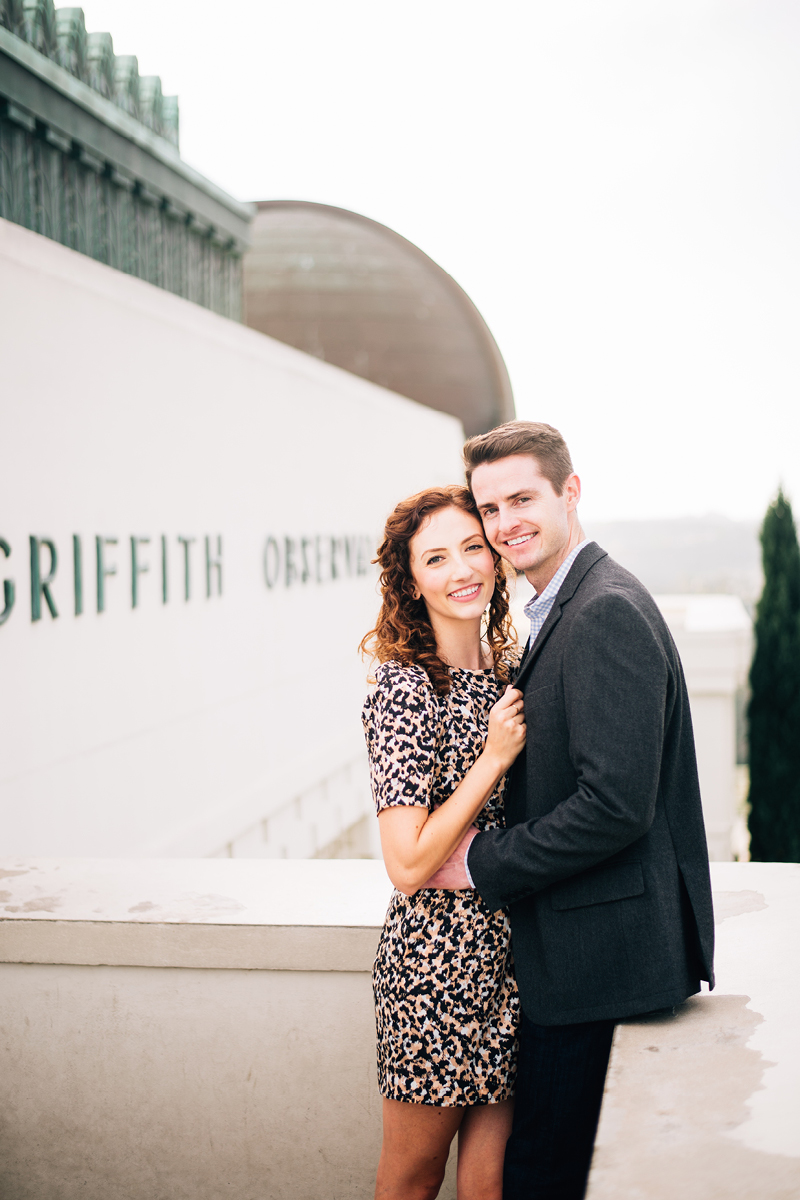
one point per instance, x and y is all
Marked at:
(405, 630)
(442, 728)
(455, 580)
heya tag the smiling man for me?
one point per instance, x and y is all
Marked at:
(603, 863)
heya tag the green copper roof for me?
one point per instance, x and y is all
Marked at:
(89, 158)
(60, 35)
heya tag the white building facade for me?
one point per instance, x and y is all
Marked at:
(188, 510)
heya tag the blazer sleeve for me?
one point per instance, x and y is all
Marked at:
(616, 686)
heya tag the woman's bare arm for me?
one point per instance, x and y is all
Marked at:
(416, 842)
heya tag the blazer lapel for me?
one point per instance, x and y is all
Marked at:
(588, 556)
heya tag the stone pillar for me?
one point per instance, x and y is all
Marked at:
(713, 634)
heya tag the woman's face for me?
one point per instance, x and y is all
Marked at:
(452, 565)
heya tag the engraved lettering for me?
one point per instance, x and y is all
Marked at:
(104, 570)
(41, 586)
(272, 562)
(213, 563)
(186, 543)
(137, 567)
(9, 591)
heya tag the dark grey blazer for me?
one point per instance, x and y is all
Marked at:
(603, 864)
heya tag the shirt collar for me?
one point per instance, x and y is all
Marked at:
(544, 599)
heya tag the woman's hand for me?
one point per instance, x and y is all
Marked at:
(506, 735)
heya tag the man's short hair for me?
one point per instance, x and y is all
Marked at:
(542, 442)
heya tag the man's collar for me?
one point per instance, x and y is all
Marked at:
(589, 554)
(560, 573)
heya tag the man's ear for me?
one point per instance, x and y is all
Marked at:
(572, 491)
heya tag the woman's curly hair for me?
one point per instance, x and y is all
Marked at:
(404, 633)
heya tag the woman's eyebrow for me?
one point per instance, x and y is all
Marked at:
(443, 549)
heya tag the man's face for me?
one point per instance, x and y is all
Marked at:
(524, 519)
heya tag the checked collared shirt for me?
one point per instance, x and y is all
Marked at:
(537, 610)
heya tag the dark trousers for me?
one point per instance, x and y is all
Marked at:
(560, 1079)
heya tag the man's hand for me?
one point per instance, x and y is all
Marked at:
(452, 875)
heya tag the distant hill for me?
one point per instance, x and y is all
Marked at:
(688, 554)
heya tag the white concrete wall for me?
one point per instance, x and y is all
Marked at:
(188, 1030)
(179, 728)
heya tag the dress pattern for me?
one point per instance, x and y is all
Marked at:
(446, 1001)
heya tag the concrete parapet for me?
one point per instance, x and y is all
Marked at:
(704, 1104)
(203, 1028)
(188, 1029)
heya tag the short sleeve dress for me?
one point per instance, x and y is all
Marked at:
(446, 1001)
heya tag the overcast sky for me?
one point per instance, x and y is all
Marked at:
(616, 184)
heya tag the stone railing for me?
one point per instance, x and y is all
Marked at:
(203, 1028)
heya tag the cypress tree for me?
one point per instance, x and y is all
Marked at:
(774, 709)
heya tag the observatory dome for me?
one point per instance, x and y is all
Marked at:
(354, 293)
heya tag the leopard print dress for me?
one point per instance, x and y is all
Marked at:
(446, 1001)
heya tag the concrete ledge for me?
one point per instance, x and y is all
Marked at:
(677, 1094)
(147, 944)
(704, 1104)
(258, 915)
(122, 1075)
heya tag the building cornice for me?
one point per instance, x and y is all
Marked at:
(112, 117)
